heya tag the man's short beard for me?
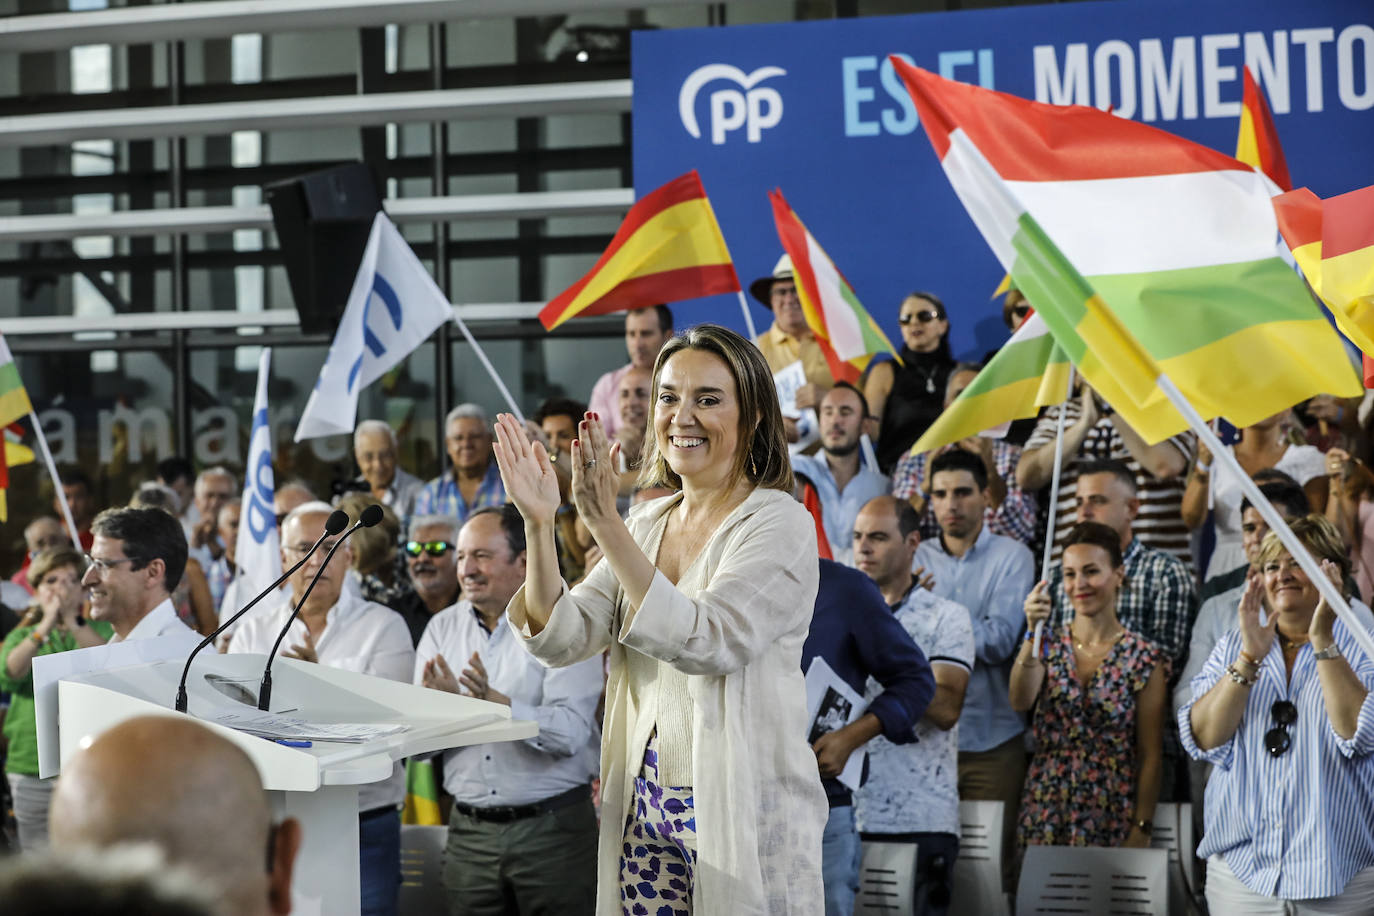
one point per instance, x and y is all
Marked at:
(843, 451)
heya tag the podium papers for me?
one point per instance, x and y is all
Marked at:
(318, 785)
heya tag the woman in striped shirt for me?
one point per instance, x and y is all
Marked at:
(1282, 710)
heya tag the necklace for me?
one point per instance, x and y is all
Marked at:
(1091, 646)
(1291, 645)
(928, 375)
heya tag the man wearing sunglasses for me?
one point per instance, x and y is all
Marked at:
(432, 560)
(136, 560)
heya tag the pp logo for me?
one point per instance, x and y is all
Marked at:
(753, 107)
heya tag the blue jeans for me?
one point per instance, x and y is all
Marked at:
(379, 861)
(840, 856)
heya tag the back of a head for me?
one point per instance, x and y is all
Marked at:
(173, 783)
(124, 880)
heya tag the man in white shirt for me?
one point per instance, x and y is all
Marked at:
(339, 629)
(843, 479)
(136, 560)
(912, 792)
(522, 834)
(377, 452)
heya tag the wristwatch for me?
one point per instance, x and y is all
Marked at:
(1331, 651)
(1145, 827)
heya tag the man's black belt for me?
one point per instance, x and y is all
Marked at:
(504, 814)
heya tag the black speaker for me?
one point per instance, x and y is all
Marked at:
(322, 221)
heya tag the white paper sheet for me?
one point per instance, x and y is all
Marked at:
(832, 704)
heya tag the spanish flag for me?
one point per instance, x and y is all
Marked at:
(1333, 242)
(668, 248)
(1258, 142)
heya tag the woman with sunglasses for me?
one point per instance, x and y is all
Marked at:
(907, 398)
(711, 801)
(1281, 710)
(1098, 691)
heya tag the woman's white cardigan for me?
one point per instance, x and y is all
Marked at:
(735, 623)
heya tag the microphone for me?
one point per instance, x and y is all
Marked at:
(366, 519)
(337, 521)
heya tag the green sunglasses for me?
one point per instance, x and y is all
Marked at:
(433, 548)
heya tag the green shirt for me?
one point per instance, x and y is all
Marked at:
(21, 729)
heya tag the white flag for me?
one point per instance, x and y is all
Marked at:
(393, 307)
(258, 553)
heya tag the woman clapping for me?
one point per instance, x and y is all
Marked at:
(1282, 711)
(710, 800)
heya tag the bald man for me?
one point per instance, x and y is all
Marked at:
(196, 796)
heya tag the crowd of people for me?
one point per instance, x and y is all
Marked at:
(660, 578)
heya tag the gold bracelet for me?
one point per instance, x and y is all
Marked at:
(1249, 659)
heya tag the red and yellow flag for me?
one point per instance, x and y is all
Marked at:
(842, 327)
(1258, 142)
(668, 248)
(1333, 242)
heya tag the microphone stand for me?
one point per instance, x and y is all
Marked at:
(366, 519)
(333, 525)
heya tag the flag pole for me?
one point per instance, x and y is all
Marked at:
(1270, 515)
(1054, 504)
(57, 481)
(748, 318)
(486, 364)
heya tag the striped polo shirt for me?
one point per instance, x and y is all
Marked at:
(1160, 522)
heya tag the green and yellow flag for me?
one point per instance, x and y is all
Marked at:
(422, 794)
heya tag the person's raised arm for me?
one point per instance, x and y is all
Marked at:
(1161, 460)
(1342, 692)
(595, 484)
(877, 388)
(1215, 717)
(1036, 466)
(1343, 503)
(532, 486)
(1194, 505)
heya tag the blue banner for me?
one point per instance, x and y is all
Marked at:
(813, 108)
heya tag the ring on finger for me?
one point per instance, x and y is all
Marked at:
(591, 463)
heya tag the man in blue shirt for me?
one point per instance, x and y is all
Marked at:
(473, 482)
(843, 480)
(990, 575)
(858, 637)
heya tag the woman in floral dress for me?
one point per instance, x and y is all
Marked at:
(1098, 691)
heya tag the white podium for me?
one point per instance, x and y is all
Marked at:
(317, 785)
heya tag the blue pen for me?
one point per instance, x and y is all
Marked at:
(285, 742)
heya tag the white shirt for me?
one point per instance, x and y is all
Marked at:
(565, 753)
(913, 788)
(162, 621)
(358, 636)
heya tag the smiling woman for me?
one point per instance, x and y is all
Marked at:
(703, 599)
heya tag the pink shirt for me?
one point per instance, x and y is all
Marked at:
(605, 399)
